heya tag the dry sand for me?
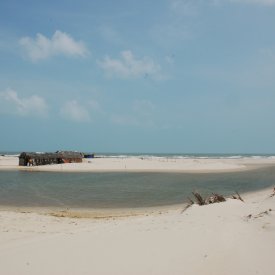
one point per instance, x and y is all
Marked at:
(224, 238)
(143, 164)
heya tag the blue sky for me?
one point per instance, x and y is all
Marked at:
(173, 76)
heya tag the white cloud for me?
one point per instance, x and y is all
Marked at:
(61, 43)
(72, 110)
(33, 105)
(128, 66)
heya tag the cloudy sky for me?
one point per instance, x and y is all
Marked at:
(186, 76)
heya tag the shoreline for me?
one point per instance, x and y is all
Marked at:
(143, 165)
(94, 213)
(105, 213)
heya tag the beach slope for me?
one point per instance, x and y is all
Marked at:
(227, 238)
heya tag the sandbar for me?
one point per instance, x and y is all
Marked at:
(145, 164)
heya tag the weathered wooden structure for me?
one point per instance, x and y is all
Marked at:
(34, 159)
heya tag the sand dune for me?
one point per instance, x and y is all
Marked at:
(225, 238)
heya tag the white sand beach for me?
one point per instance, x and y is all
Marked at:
(143, 164)
(233, 237)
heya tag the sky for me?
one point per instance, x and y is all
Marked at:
(166, 76)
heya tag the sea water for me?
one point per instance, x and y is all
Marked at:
(122, 190)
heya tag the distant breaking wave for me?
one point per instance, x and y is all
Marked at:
(166, 156)
(184, 156)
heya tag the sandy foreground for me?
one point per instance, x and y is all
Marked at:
(143, 164)
(233, 237)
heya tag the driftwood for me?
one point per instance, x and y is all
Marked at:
(214, 198)
(198, 198)
(190, 203)
(237, 196)
(259, 215)
(273, 194)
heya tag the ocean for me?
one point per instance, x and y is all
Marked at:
(125, 190)
(165, 155)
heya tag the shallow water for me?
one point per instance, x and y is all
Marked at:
(121, 190)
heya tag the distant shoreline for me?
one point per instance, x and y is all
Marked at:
(147, 164)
